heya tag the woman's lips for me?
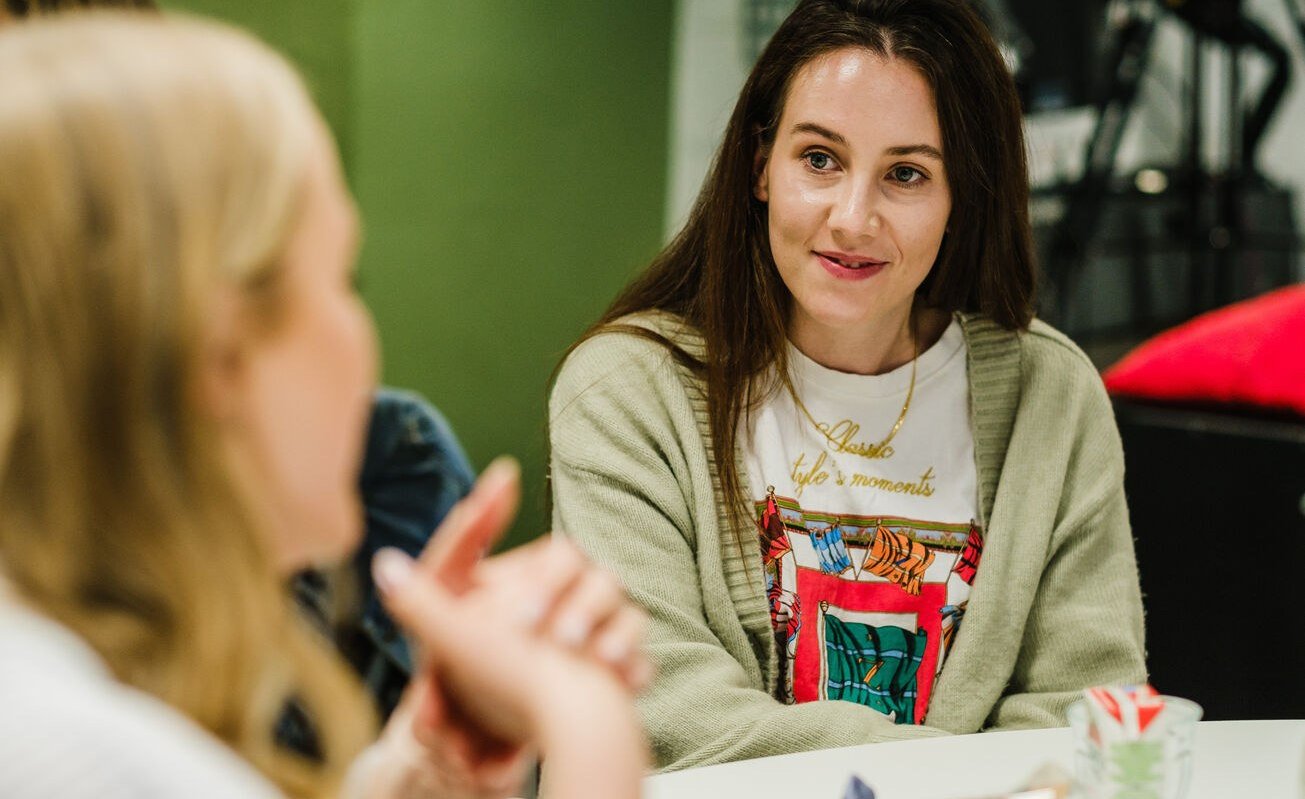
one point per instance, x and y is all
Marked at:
(836, 265)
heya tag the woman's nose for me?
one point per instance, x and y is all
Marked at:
(855, 212)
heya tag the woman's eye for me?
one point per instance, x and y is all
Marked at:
(818, 161)
(907, 175)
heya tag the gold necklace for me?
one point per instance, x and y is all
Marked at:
(869, 451)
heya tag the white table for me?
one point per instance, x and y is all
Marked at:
(1233, 760)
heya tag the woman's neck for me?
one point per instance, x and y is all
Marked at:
(870, 349)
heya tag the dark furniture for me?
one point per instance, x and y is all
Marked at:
(1217, 500)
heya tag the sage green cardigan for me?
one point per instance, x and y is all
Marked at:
(1055, 606)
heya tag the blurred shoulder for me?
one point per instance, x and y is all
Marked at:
(70, 730)
(1046, 349)
(645, 349)
(405, 420)
(1039, 351)
(1057, 371)
(1037, 373)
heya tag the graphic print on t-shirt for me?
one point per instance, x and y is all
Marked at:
(864, 608)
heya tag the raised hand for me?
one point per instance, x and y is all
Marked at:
(453, 734)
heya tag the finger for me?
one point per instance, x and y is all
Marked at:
(473, 526)
(503, 774)
(488, 771)
(414, 603)
(619, 644)
(426, 609)
(460, 759)
(535, 578)
(639, 674)
(522, 562)
(593, 601)
(429, 715)
(553, 571)
(456, 745)
(515, 564)
(474, 745)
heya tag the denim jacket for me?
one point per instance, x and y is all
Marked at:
(413, 472)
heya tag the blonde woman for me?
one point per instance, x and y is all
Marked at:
(185, 376)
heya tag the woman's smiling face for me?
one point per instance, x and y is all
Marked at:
(856, 192)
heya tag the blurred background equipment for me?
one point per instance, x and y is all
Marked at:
(1129, 252)
(1059, 47)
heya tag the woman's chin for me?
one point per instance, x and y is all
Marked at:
(322, 541)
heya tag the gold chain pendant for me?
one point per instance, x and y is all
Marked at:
(864, 449)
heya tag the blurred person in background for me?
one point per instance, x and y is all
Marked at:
(413, 471)
(185, 382)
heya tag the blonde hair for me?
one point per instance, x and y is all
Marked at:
(147, 166)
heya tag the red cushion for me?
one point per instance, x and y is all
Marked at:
(1250, 353)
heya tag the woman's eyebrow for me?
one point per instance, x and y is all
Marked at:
(927, 150)
(819, 130)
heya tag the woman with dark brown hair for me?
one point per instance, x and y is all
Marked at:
(822, 439)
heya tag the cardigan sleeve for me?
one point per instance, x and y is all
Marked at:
(630, 485)
(1085, 624)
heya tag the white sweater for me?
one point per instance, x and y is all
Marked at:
(69, 730)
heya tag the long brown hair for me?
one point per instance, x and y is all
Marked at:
(718, 273)
(151, 167)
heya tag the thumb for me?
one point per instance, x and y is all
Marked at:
(473, 526)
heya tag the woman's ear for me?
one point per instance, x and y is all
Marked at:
(761, 181)
(220, 376)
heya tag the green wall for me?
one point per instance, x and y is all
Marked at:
(509, 159)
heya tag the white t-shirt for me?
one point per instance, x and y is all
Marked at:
(69, 730)
(869, 560)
